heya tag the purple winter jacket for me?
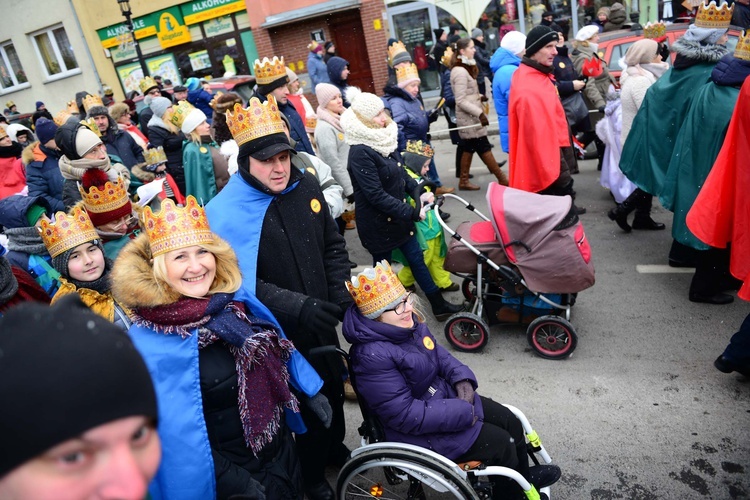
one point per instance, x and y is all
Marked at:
(407, 380)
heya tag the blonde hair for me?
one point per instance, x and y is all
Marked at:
(228, 276)
(416, 307)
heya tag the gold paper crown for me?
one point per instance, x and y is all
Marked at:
(107, 199)
(712, 17)
(269, 71)
(407, 72)
(180, 112)
(256, 120)
(176, 227)
(62, 117)
(3, 133)
(155, 156)
(10, 104)
(65, 231)
(447, 56)
(312, 45)
(420, 148)
(90, 101)
(73, 108)
(742, 51)
(311, 121)
(393, 50)
(375, 289)
(654, 30)
(146, 84)
(91, 125)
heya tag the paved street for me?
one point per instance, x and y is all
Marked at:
(639, 411)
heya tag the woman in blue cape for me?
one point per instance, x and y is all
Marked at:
(222, 368)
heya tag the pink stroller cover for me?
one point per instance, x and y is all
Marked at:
(552, 257)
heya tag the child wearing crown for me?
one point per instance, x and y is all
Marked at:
(78, 255)
(417, 159)
(420, 393)
(221, 364)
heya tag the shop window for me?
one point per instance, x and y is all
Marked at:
(12, 75)
(55, 52)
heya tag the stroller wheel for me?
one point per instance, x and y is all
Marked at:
(466, 332)
(469, 288)
(552, 337)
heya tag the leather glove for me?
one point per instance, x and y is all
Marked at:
(321, 408)
(319, 315)
(432, 115)
(350, 198)
(601, 109)
(484, 98)
(483, 120)
(465, 391)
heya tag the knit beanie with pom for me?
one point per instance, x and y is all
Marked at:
(365, 105)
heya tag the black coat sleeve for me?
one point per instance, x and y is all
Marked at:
(232, 479)
(365, 170)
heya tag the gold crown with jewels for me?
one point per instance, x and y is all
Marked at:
(407, 72)
(109, 198)
(65, 231)
(269, 71)
(146, 84)
(712, 17)
(447, 56)
(90, 124)
(258, 119)
(420, 148)
(654, 30)
(395, 49)
(180, 111)
(742, 51)
(155, 156)
(176, 227)
(375, 289)
(90, 101)
(62, 117)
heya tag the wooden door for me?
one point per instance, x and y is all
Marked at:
(349, 38)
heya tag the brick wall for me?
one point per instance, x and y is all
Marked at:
(376, 40)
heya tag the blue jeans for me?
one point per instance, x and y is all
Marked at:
(415, 258)
(432, 174)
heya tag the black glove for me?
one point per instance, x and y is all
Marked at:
(350, 198)
(465, 391)
(319, 315)
(432, 115)
(483, 120)
(601, 109)
(321, 408)
(664, 51)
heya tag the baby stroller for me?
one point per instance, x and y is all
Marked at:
(523, 265)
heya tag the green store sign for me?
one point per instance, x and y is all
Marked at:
(143, 27)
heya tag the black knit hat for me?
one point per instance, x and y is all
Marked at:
(538, 37)
(65, 371)
(267, 88)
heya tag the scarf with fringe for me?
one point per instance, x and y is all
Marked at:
(260, 356)
(383, 140)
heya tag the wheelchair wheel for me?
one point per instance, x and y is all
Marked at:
(552, 337)
(469, 288)
(400, 474)
(467, 332)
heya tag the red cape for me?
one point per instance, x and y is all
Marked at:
(537, 130)
(721, 212)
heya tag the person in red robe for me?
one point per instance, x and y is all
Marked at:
(720, 214)
(538, 128)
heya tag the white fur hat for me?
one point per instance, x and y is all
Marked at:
(586, 32)
(364, 104)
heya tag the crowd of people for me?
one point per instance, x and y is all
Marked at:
(202, 322)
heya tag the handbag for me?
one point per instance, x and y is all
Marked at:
(575, 108)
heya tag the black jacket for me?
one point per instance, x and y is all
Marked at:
(482, 57)
(564, 72)
(172, 144)
(384, 219)
(143, 118)
(237, 469)
(120, 143)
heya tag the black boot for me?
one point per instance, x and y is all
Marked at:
(647, 223)
(441, 308)
(600, 150)
(619, 214)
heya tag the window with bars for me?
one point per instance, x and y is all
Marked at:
(55, 52)
(12, 75)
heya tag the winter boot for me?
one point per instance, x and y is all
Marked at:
(441, 308)
(459, 154)
(494, 167)
(464, 184)
(620, 213)
(600, 150)
(643, 218)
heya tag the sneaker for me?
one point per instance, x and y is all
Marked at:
(542, 476)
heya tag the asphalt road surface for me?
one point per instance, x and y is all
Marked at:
(638, 411)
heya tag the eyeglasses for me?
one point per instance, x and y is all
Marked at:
(401, 306)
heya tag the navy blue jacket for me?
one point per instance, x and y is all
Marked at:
(335, 66)
(729, 71)
(44, 179)
(201, 100)
(121, 144)
(409, 115)
(297, 128)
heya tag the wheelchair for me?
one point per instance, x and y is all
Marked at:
(393, 471)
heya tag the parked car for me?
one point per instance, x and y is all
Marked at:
(614, 45)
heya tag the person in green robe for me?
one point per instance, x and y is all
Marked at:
(696, 147)
(206, 169)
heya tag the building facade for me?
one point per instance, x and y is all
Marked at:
(43, 56)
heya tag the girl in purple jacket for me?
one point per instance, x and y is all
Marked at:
(420, 393)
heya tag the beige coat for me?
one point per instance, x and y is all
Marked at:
(468, 103)
(596, 89)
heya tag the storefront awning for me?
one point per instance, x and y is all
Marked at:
(311, 11)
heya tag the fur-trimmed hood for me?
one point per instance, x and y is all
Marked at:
(133, 281)
(697, 52)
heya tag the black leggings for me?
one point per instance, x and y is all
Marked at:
(500, 442)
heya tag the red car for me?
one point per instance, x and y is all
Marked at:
(613, 45)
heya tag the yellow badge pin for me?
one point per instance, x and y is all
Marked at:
(315, 205)
(428, 343)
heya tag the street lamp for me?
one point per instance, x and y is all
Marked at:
(125, 9)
